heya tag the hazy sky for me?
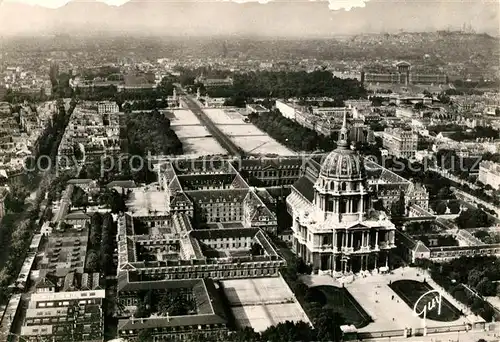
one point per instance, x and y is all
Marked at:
(59, 3)
(333, 4)
(296, 18)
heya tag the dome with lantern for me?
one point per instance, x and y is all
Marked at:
(343, 163)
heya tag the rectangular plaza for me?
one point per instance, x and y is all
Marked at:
(261, 303)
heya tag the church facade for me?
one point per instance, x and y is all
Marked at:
(335, 227)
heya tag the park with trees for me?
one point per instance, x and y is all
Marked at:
(288, 84)
(150, 132)
(290, 133)
(474, 218)
(480, 276)
(102, 237)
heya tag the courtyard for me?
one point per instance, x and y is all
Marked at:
(262, 302)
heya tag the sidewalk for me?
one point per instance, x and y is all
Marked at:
(471, 336)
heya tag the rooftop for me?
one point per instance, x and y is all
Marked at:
(209, 308)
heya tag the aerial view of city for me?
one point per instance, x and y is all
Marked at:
(261, 171)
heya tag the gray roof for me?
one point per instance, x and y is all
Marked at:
(305, 187)
(121, 184)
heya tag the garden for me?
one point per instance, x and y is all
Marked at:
(411, 291)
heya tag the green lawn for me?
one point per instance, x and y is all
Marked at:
(342, 301)
(410, 291)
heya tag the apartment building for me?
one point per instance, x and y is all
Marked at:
(489, 173)
(400, 143)
(93, 133)
(63, 316)
(106, 107)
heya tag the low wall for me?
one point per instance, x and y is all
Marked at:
(412, 332)
(381, 334)
(438, 330)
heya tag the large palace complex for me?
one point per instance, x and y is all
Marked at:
(206, 231)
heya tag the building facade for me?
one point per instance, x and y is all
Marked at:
(400, 143)
(65, 316)
(489, 173)
(402, 75)
(107, 107)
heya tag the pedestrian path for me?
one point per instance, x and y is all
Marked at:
(319, 280)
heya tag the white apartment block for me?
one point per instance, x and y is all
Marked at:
(288, 110)
(489, 173)
(107, 107)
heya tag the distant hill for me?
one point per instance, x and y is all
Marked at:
(276, 18)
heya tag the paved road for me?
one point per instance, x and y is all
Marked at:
(221, 138)
(471, 336)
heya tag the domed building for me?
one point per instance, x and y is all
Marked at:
(335, 227)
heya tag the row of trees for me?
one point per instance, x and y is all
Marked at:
(287, 331)
(486, 237)
(440, 207)
(18, 226)
(479, 274)
(145, 105)
(141, 133)
(14, 97)
(437, 185)
(110, 92)
(457, 165)
(102, 235)
(48, 143)
(287, 84)
(15, 236)
(124, 167)
(442, 240)
(474, 218)
(479, 132)
(290, 133)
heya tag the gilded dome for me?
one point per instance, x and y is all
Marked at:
(343, 163)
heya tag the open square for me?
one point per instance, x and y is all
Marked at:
(262, 302)
(387, 309)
